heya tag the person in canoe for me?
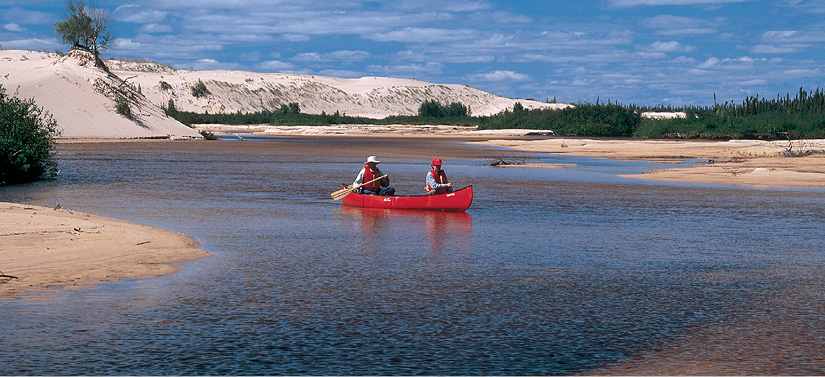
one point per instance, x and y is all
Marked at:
(437, 182)
(369, 172)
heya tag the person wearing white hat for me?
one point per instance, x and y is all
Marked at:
(369, 172)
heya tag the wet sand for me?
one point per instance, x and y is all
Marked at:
(49, 250)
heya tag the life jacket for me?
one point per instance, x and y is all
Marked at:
(369, 175)
(440, 177)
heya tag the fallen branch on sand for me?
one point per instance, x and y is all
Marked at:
(499, 161)
(6, 278)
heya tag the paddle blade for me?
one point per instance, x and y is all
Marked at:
(340, 194)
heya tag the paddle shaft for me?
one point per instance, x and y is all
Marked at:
(340, 193)
(370, 181)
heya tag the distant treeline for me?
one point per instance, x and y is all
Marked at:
(801, 116)
(430, 112)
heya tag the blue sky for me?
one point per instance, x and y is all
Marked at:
(645, 52)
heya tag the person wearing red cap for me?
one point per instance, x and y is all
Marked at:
(437, 179)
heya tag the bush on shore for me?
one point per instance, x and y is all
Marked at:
(27, 146)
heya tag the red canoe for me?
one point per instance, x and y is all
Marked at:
(456, 201)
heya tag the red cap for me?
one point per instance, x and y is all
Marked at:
(436, 162)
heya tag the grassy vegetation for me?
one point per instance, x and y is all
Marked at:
(801, 116)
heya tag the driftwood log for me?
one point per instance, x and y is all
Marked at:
(502, 162)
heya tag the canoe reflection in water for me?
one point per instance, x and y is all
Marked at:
(444, 232)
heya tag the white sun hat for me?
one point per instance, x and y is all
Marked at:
(373, 159)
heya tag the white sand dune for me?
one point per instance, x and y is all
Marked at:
(82, 97)
(371, 97)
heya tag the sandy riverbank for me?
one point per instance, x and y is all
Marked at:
(737, 162)
(52, 249)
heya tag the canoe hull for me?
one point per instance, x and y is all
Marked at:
(456, 201)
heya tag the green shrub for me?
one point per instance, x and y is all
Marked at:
(122, 107)
(434, 109)
(27, 147)
(199, 90)
(291, 109)
(170, 108)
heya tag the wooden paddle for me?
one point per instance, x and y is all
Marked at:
(340, 194)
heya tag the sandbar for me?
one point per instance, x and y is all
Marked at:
(734, 162)
(54, 249)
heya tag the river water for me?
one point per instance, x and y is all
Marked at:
(551, 271)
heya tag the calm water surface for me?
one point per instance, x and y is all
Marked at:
(551, 271)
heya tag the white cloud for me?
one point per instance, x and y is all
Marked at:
(449, 6)
(407, 70)
(212, 64)
(126, 44)
(340, 73)
(794, 36)
(295, 37)
(308, 57)
(275, 66)
(155, 28)
(499, 76)
(730, 62)
(348, 55)
(31, 44)
(424, 35)
(14, 27)
(182, 49)
(773, 49)
(780, 34)
(342, 55)
(711, 62)
(677, 25)
(671, 46)
(634, 3)
(26, 17)
(803, 72)
(138, 14)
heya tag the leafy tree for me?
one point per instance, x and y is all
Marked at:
(85, 28)
(27, 147)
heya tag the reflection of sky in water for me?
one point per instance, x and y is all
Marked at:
(551, 271)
